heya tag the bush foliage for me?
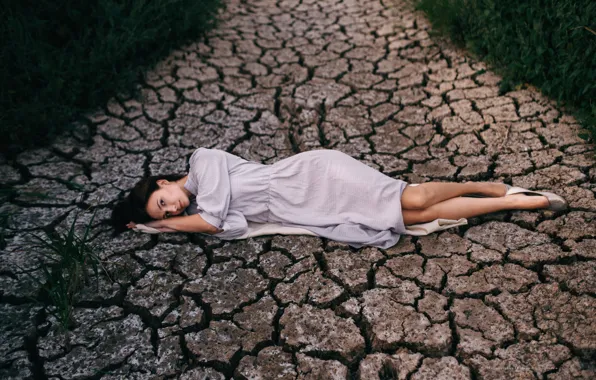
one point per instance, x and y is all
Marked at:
(63, 57)
(550, 44)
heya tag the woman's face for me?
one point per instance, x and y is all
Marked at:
(169, 200)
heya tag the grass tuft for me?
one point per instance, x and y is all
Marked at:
(67, 263)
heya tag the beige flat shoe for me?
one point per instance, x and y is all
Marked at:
(556, 203)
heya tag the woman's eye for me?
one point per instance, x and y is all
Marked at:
(162, 202)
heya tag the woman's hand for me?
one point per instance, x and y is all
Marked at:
(157, 226)
(166, 229)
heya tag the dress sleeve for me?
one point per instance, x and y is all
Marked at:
(234, 226)
(209, 175)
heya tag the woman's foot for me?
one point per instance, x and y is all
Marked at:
(555, 202)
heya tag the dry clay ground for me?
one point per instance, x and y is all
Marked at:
(510, 295)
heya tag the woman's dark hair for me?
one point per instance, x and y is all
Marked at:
(134, 206)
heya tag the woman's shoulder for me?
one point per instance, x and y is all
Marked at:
(205, 153)
(209, 155)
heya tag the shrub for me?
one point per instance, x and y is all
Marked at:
(63, 57)
(550, 44)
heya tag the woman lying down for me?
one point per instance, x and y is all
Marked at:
(323, 193)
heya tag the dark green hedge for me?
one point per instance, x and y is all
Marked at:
(548, 43)
(62, 57)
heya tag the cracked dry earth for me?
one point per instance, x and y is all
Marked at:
(511, 295)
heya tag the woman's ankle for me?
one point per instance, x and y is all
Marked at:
(525, 202)
(490, 189)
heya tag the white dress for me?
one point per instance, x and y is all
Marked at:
(323, 191)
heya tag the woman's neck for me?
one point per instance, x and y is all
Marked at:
(181, 182)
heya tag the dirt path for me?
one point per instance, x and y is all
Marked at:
(508, 296)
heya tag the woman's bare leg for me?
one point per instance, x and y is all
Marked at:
(460, 207)
(430, 193)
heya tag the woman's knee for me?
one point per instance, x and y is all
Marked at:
(419, 216)
(415, 198)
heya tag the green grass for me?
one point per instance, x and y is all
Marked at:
(68, 262)
(549, 44)
(62, 58)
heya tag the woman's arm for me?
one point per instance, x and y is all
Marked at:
(187, 223)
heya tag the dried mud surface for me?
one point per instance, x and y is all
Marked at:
(511, 295)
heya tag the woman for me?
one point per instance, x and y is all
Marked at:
(325, 192)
